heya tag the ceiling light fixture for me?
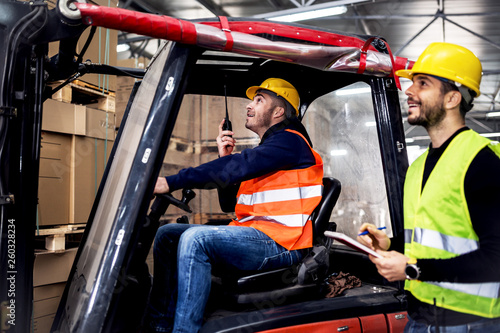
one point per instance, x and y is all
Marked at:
(309, 15)
(310, 12)
(122, 48)
(493, 114)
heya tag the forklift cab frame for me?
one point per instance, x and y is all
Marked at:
(178, 71)
(106, 265)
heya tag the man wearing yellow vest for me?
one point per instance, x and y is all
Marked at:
(451, 261)
(273, 189)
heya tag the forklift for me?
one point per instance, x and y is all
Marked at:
(349, 104)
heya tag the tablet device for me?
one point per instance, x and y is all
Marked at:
(344, 239)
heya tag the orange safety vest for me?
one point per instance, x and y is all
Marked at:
(280, 203)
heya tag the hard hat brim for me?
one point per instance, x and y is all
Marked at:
(252, 91)
(407, 74)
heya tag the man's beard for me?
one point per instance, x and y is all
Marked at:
(263, 121)
(429, 116)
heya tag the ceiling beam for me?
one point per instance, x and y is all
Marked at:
(276, 4)
(214, 8)
(407, 16)
(324, 5)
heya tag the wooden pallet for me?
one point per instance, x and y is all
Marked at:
(57, 237)
(79, 92)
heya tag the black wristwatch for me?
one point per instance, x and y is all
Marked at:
(412, 271)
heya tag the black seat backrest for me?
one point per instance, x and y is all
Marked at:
(321, 214)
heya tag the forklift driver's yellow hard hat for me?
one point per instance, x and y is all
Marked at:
(449, 61)
(281, 88)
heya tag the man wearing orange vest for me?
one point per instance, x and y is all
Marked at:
(273, 188)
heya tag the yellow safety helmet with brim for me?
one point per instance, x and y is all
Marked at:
(280, 87)
(449, 61)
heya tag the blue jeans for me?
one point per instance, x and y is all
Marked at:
(481, 326)
(184, 255)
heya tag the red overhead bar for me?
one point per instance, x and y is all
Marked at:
(329, 51)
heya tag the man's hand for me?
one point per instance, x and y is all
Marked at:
(392, 265)
(225, 143)
(376, 239)
(161, 186)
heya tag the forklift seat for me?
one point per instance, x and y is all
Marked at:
(302, 279)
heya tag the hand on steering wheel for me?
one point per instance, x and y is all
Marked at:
(161, 186)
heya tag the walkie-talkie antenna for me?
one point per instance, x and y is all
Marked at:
(227, 123)
(225, 99)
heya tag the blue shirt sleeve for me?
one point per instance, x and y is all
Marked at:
(281, 151)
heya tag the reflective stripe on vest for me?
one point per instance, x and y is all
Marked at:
(294, 220)
(280, 203)
(280, 195)
(438, 226)
(486, 289)
(437, 240)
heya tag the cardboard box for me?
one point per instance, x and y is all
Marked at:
(64, 94)
(100, 124)
(90, 156)
(45, 303)
(54, 179)
(104, 103)
(46, 299)
(63, 117)
(71, 168)
(52, 267)
(68, 118)
(43, 324)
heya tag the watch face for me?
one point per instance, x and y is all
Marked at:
(411, 272)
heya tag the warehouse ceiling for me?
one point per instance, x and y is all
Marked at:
(407, 25)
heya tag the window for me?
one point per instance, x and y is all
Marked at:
(343, 131)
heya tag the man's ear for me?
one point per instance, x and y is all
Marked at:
(278, 112)
(453, 99)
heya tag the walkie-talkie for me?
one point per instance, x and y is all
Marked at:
(227, 123)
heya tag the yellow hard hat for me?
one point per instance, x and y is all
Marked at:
(449, 61)
(281, 88)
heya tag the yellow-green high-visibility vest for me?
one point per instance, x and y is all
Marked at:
(438, 226)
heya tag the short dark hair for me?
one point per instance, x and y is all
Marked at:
(465, 107)
(283, 103)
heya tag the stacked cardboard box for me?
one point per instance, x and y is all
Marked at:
(50, 272)
(46, 300)
(76, 143)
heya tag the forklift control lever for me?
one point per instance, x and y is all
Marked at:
(163, 200)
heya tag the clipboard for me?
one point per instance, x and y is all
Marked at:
(354, 244)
